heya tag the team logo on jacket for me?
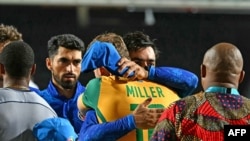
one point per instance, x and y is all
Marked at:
(81, 116)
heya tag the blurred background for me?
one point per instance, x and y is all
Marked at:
(183, 29)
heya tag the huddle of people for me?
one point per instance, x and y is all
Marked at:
(130, 98)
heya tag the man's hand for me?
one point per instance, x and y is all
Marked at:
(146, 118)
(139, 72)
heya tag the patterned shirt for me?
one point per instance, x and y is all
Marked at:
(203, 116)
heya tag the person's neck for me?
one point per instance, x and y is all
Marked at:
(16, 84)
(65, 92)
(222, 84)
(68, 93)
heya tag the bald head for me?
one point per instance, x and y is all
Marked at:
(222, 64)
(224, 57)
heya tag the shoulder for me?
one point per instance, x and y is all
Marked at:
(42, 93)
(186, 103)
(36, 98)
(35, 90)
(5, 95)
(93, 82)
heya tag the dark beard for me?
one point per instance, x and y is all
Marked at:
(65, 84)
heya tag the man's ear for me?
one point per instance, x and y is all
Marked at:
(203, 71)
(48, 63)
(33, 69)
(2, 70)
(242, 75)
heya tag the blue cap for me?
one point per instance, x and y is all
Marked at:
(102, 54)
(54, 129)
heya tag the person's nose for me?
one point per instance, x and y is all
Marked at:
(70, 67)
(144, 64)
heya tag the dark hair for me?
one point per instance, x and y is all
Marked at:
(9, 32)
(116, 40)
(17, 58)
(137, 40)
(68, 41)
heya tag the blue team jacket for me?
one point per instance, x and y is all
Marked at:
(66, 108)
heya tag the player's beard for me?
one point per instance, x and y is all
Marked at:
(65, 84)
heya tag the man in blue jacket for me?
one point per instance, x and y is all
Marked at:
(64, 61)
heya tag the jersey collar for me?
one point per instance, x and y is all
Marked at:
(217, 89)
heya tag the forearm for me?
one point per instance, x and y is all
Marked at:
(93, 130)
(182, 81)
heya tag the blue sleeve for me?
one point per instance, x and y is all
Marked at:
(102, 54)
(182, 81)
(109, 131)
